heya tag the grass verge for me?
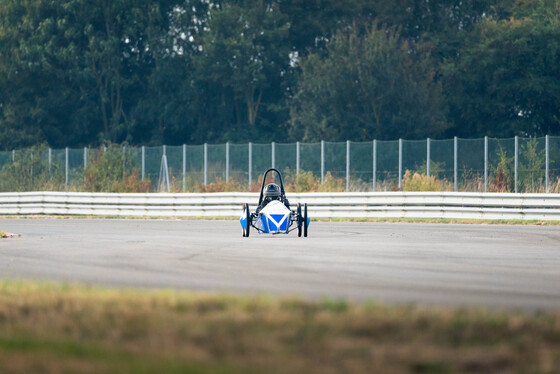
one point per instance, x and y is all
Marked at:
(462, 221)
(54, 328)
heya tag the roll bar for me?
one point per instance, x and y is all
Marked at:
(282, 192)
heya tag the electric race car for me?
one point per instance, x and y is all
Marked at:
(273, 214)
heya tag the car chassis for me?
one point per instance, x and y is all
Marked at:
(275, 217)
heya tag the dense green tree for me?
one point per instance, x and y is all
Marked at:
(314, 22)
(507, 81)
(121, 44)
(34, 103)
(165, 110)
(76, 73)
(239, 72)
(70, 69)
(376, 86)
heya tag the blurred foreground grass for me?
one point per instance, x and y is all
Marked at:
(56, 328)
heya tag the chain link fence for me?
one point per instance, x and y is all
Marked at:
(478, 165)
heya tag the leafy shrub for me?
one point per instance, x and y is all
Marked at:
(222, 186)
(503, 176)
(110, 171)
(30, 171)
(421, 182)
(532, 167)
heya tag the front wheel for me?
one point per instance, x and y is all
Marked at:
(305, 221)
(247, 216)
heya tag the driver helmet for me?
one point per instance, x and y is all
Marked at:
(272, 191)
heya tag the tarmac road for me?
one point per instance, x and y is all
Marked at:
(494, 266)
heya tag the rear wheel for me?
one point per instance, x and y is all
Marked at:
(305, 220)
(299, 220)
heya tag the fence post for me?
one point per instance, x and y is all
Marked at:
(400, 164)
(516, 174)
(227, 162)
(164, 171)
(184, 167)
(485, 164)
(374, 165)
(455, 163)
(250, 163)
(547, 162)
(322, 161)
(66, 168)
(428, 157)
(50, 161)
(13, 155)
(205, 164)
(143, 162)
(347, 165)
(85, 158)
(297, 158)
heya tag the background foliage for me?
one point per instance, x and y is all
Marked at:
(76, 73)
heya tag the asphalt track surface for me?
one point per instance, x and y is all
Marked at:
(496, 266)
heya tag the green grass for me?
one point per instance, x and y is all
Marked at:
(75, 356)
(59, 328)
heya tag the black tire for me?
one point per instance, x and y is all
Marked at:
(305, 220)
(248, 216)
(299, 220)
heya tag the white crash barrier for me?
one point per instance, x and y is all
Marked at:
(321, 205)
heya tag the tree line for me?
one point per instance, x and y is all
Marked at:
(77, 73)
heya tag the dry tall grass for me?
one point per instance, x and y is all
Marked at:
(57, 328)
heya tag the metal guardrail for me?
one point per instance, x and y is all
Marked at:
(321, 205)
